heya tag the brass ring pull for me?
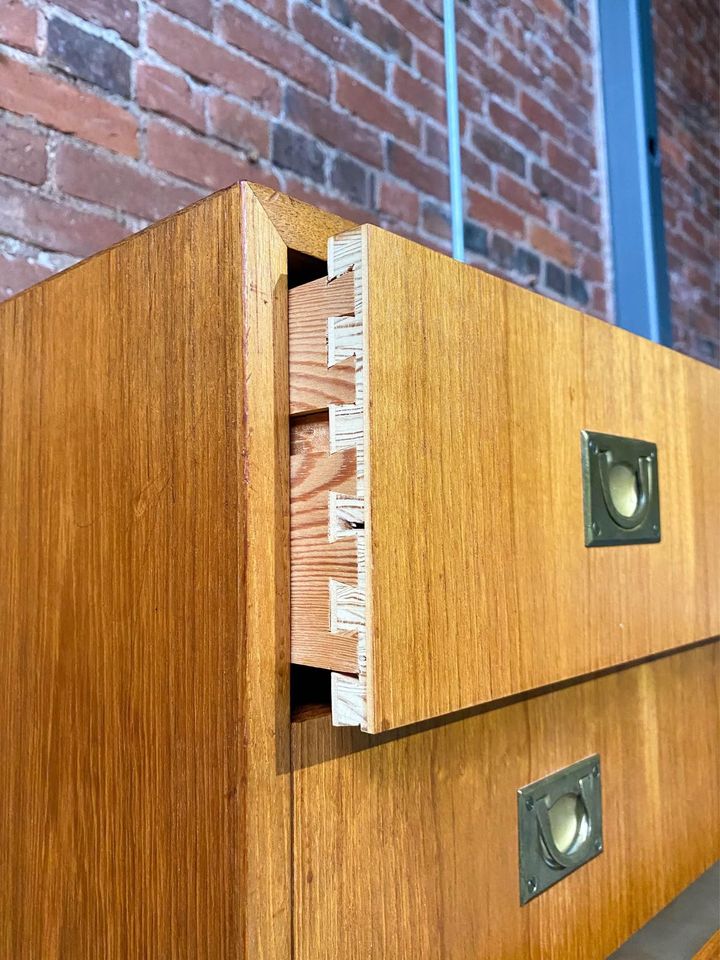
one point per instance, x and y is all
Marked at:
(643, 476)
(576, 854)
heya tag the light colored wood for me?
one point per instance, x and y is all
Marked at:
(481, 585)
(405, 844)
(315, 382)
(327, 547)
(317, 555)
(711, 950)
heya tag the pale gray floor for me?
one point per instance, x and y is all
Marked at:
(685, 925)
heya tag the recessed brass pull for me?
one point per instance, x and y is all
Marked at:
(620, 490)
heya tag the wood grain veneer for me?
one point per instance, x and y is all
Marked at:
(313, 384)
(711, 949)
(123, 519)
(144, 614)
(406, 843)
(474, 581)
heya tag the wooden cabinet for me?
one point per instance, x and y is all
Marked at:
(231, 493)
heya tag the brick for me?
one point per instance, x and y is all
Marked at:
(513, 66)
(118, 184)
(541, 117)
(319, 198)
(23, 154)
(476, 238)
(508, 122)
(431, 67)
(527, 264)
(352, 180)
(568, 165)
(207, 60)
(598, 303)
(436, 219)
(707, 350)
(234, 123)
(419, 93)
(579, 231)
(399, 202)
(294, 151)
(550, 244)
(568, 54)
(592, 268)
(584, 147)
(375, 108)
(375, 26)
(199, 11)
(19, 25)
(17, 274)
(502, 252)
(275, 48)
(87, 57)
(339, 129)
(64, 107)
(414, 19)
(53, 225)
(475, 170)
(494, 214)
(554, 188)
(435, 142)
(338, 44)
(193, 159)
(520, 195)
(578, 290)
(511, 29)
(276, 9)
(170, 94)
(555, 279)
(570, 111)
(471, 57)
(119, 15)
(407, 165)
(473, 94)
(498, 150)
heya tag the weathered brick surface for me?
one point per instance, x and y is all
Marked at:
(118, 15)
(116, 112)
(689, 124)
(19, 25)
(18, 272)
(61, 105)
(170, 94)
(88, 57)
(23, 153)
(116, 183)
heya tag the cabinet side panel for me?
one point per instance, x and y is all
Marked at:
(121, 622)
(407, 846)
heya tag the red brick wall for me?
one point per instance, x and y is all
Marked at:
(687, 58)
(116, 112)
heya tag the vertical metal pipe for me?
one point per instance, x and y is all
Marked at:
(453, 125)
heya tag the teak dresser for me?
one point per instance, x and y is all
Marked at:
(338, 581)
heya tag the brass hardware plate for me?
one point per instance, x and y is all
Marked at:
(621, 492)
(559, 825)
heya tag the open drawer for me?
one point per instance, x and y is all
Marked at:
(442, 550)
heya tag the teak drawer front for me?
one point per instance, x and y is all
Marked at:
(406, 844)
(474, 581)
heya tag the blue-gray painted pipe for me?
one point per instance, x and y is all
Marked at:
(453, 125)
